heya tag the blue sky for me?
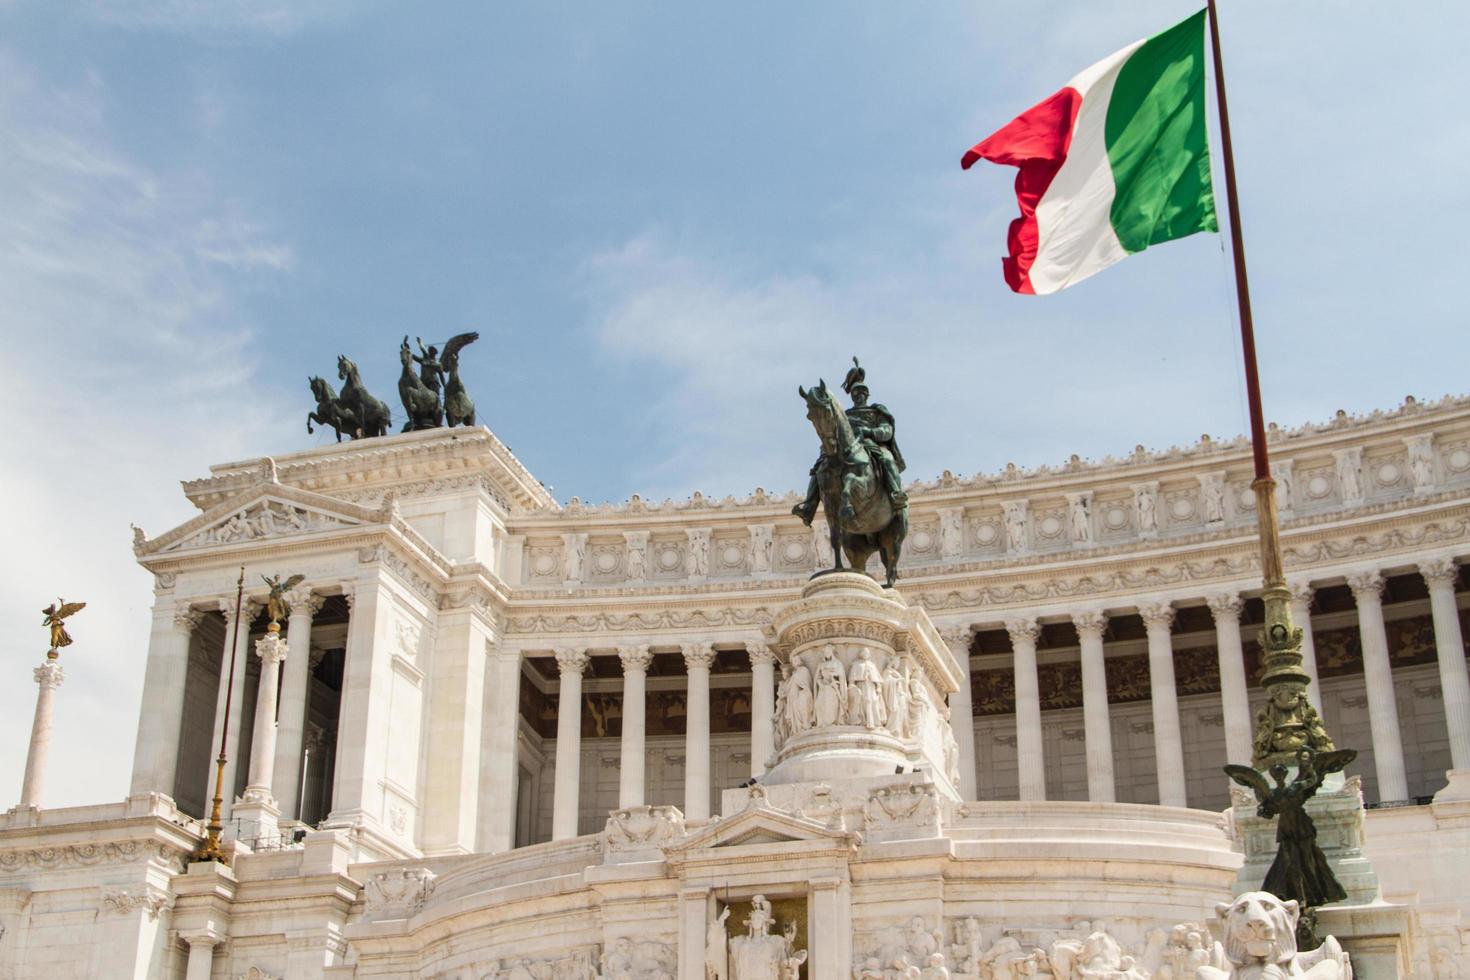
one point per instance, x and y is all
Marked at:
(661, 218)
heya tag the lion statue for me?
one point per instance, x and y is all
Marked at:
(1260, 944)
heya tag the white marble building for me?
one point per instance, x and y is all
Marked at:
(474, 677)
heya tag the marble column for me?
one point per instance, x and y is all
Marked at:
(1030, 757)
(1096, 725)
(237, 639)
(1234, 691)
(1301, 616)
(155, 756)
(272, 651)
(635, 701)
(48, 678)
(1164, 699)
(1449, 645)
(295, 686)
(762, 705)
(499, 752)
(962, 710)
(201, 956)
(698, 659)
(570, 663)
(1383, 711)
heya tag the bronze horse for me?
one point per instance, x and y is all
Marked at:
(329, 410)
(372, 415)
(860, 516)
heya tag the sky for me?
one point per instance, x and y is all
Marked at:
(661, 218)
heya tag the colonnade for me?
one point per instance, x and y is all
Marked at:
(1225, 607)
(699, 659)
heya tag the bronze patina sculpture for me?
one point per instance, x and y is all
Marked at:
(420, 401)
(277, 606)
(329, 411)
(1300, 870)
(56, 615)
(431, 371)
(372, 415)
(459, 408)
(856, 477)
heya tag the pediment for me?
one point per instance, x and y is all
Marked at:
(761, 823)
(267, 510)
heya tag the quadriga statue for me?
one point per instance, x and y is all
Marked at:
(1260, 944)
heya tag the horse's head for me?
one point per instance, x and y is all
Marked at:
(346, 370)
(823, 411)
(320, 390)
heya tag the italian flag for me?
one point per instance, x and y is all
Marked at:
(1116, 161)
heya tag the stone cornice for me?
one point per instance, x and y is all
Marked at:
(1077, 475)
(387, 462)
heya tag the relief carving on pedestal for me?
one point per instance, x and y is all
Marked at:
(638, 959)
(642, 827)
(578, 964)
(397, 894)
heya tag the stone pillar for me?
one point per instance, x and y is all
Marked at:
(1098, 729)
(831, 940)
(48, 678)
(1449, 645)
(1030, 756)
(271, 651)
(295, 685)
(635, 701)
(237, 638)
(499, 752)
(694, 913)
(962, 710)
(1383, 711)
(201, 956)
(450, 823)
(1234, 693)
(698, 658)
(155, 755)
(1301, 615)
(762, 705)
(1164, 698)
(570, 663)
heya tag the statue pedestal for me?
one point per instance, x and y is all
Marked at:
(257, 821)
(1337, 811)
(1457, 789)
(865, 681)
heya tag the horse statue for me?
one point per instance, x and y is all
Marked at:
(330, 411)
(419, 400)
(861, 516)
(459, 408)
(372, 415)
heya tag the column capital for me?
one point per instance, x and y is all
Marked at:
(1301, 591)
(759, 653)
(572, 660)
(1439, 573)
(186, 618)
(1090, 622)
(1024, 630)
(698, 656)
(249, 609)
(635, 658)
(958, 637)
(271, 649)
(349, 593)
(302, 601)
(49, 674)
(1366, 585)
(1225, 605)
(1157, 615)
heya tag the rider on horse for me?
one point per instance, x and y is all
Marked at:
(874, 427)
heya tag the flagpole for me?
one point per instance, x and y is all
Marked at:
(1284, 678)
(210, 849)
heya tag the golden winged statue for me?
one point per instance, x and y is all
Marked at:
(56, 615)
(276, 606)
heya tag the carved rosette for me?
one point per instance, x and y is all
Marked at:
(865, 677)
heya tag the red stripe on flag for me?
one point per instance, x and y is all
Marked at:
(1035, 142)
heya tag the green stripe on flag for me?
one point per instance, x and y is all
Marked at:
(1157, 142)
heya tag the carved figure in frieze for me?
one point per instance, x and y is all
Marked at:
(1421, 462)
(923, 942)
(934, 968)
(918, 703)
(896, 699)
(761, 547)
(951, 532)
(574, 550)
(865, 693)
(696, 563)
(1015, 522)
(831, 689)
(800, 709)
(635, 558)
(1349, 475)
(1212, 486)
(1079, 512)
(780, 723)
(968, 946)
(1146, 508)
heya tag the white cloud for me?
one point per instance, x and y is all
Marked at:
(127, 361)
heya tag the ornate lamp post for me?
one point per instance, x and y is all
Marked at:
(209, 849)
